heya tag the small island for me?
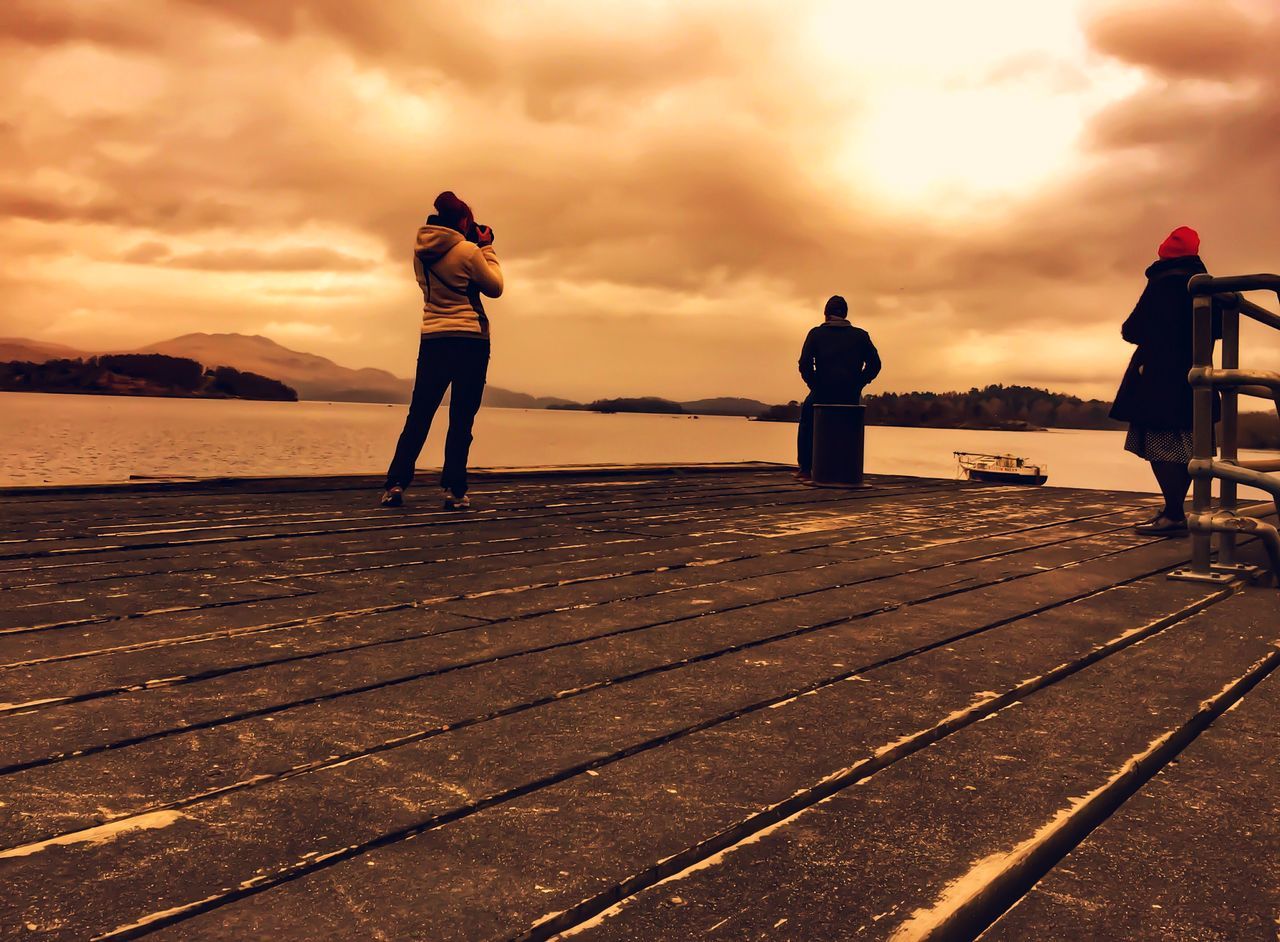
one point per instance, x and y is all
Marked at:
(141, 374)
(649, 405)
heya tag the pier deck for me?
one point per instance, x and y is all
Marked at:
(635, 705)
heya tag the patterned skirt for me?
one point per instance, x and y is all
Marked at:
(1159, 444)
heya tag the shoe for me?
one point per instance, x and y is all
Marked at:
(455, 503)
(801, 477)
(1160, 525)
(393, 497)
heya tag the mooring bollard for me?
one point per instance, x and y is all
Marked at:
(838, 440)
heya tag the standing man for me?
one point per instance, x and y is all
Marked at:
(836, 362)
(455, 264)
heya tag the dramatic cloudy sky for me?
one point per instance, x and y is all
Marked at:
(676, 187)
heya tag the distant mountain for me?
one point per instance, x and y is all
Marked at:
(314, 377)
(36, 351)
(508, 399)
(725, 405)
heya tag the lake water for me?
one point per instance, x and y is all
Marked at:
(56, 439)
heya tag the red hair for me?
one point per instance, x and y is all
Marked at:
(453, 212)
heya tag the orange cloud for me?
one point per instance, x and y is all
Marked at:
(675, 187)
(308, 258)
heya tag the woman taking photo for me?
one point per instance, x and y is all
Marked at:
(1155, 397)
(455, 264)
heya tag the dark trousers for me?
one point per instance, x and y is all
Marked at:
(443, 361)
(804, 435)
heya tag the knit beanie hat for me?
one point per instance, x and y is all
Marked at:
(453, 212)
(1181, 241)
(836, 307)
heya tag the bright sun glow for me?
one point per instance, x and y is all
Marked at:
(953, 103)
(946, 148)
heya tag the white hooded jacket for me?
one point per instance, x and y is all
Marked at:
(453, 273)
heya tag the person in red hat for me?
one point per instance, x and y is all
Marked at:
(1154, 396)
(455, 264)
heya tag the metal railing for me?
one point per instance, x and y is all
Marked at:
(1229, 519)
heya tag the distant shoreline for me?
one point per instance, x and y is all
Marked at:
(963, 426)
(154, 395)
(149, 375)
(1259, 431)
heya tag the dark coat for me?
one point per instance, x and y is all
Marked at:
(837, 361)
(1155, 393)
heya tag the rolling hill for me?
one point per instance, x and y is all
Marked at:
(725, 405)
(36, 351)
(314, 377)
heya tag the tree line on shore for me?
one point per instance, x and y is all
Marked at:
(1258, 430)
(992, 407)
(1011, 408)
(141, 374)
(1008, 408)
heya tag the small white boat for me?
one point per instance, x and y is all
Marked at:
(1001, 469)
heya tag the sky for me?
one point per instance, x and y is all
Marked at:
(675, 187)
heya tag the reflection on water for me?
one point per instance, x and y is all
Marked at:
(50, 439)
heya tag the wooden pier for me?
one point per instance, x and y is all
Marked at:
(636, 704)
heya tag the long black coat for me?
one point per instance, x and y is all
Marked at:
(1154, 392)
(837, 361)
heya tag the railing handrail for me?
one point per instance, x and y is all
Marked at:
(1227, 292)
(1209, 284)
(1257, 312)
(1268, 382)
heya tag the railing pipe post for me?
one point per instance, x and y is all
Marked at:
(1230, 519)
(1202, 436)
(1230, 428)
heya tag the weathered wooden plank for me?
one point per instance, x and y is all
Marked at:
(553, 597)
(406, 566)
(311, 486)
(951, 506)
(195, 595)
(266, 555)
(259, 560)
(517, 680)
(434, 667)
(408, 518)
(779, 497)
(306, 491)
(1192, 856)
(164, 706)
(312, 610)
(115, 636)
(501, 868)
(927, 848)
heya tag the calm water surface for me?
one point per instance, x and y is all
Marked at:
(55, 439)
